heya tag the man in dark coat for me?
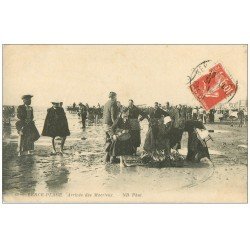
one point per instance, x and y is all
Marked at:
(134, 113)
(56, 124)
(241, 117)
(110, 114)
(25, 126)
(176, 131)
(211, 115)
(157, 112)
(83, 114)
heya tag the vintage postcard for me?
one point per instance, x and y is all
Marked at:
(125, 124)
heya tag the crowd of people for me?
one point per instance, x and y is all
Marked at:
(163, 138)
(95, 113)
(8, 113)
(122, 130)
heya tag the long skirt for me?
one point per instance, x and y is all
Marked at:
(156, 139)
(29, 136)
(136, 138)
(121, 148)
(175, 136)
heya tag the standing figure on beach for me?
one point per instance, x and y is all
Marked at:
(83, 114)
(195, 114)
(176, 130)
(119, 107)
(240, 115)
(56, 124)
(211, 115)
(25, 126)
(110, 114)
(156, 138)
(98, 112)
(134, 113)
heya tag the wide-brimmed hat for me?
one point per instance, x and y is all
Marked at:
(27, 97)
(56, 102)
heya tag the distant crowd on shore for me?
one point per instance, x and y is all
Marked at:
(95, 113)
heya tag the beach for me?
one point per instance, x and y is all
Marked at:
(81, 176)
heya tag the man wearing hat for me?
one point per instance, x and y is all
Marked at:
(25, 126)
(110, 114)
(56, 124)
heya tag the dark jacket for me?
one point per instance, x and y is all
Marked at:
(56, 123)
(110, 112)
(83, 112)
(157, 113)
(27, 128)
(22, 115)
(134, 113)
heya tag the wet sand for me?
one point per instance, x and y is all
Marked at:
(81, 176)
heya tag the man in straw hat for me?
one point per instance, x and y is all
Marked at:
(25, 126)
(110, 114)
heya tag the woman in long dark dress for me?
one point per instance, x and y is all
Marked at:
(176, 130)
(121, 138)
(157, 144)
(197, 149)
(25, 126)
(56, 124)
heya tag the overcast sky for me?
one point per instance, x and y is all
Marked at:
(87, 73)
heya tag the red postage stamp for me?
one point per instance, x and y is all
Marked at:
(213, 87)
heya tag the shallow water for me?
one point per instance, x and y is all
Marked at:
(81, 168)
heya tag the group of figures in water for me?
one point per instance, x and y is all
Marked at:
(122, 132)
(163, 138)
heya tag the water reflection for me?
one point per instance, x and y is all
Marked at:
(21, 175)
(113, 169)
(56, 178)
(56, 175)
(6, 131)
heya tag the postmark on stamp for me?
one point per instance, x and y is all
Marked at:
(212, 87)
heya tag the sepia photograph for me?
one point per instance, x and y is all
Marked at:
(159, 123)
